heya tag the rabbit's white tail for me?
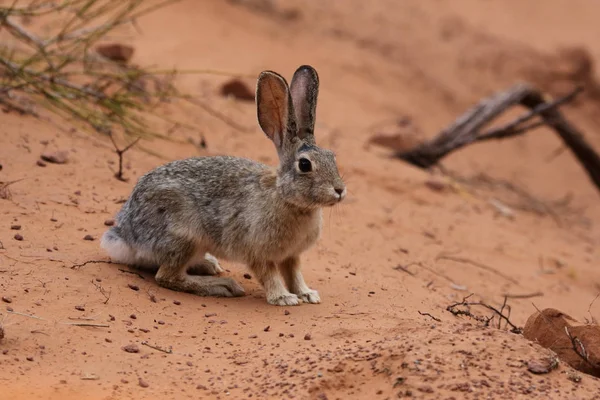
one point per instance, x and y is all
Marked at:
(122, 253)
(116, 248)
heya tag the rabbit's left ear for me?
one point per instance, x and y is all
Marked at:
(304, 90)
(275, 109)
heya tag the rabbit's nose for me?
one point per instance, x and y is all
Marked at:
(341, 191)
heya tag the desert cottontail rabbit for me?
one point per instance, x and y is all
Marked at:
(182, 215)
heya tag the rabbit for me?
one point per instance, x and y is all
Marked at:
(182, 216)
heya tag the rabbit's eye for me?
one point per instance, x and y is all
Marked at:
(304, 165)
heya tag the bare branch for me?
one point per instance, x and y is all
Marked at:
(467, 128)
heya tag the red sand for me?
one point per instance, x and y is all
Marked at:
(378, 62)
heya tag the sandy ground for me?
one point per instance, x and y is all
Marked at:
(383, 61)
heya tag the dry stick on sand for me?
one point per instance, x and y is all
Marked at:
(467, 128)
(465, 260)
(426, 314)
(168, 351)
(88, 324)
(523, 296)
(466, 311)
(120, 152)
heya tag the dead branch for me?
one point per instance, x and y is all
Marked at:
(523, 296)
(467, 128)
(168, 351)
(88, 324)
(476, 264)
(464, 308)
(120, 152)
(26, 315)
(102, 291)
(426, 314)
(404, 268)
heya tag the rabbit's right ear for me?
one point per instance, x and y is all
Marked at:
(275, 109)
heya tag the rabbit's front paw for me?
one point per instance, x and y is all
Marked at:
(286, 299)
(311, 296)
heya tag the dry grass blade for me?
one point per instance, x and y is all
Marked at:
(53, 62)
(61, 72)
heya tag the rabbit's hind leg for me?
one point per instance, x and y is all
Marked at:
(204, 264)
(290, 269)
(270, 279)
(173, 273)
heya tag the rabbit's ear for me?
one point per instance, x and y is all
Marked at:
(275, 109)
(304, 90)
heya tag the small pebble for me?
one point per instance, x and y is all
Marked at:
(133, 316)
(131, 348)
(160, 322)
(247, 276)
(286, 312)
(252, 337)
(267, 328)
(18, 237)
(143, 383)
(208, 315)
(58, 157)
(109, 222)
(107, 340)
(307, 336)
(133, 287)
(15, 227)
(6, 299)
(40, 163)
(29, 358)
(80, 308)
(177, 302)
(88, 237)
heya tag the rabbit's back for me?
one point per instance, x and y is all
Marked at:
(227, 205)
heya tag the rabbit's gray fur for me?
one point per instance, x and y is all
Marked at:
(182, 215)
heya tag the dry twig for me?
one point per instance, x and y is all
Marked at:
(467, 128)
(87, 324)
(464, 308)
(168, 351)
(102, 291)
(120, 152)
(523, 296)
(476, 264)
(430, 316)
